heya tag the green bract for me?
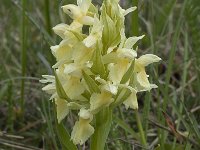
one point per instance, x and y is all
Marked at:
(97, 70)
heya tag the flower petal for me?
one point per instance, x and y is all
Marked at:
(62, 109)
(147, 59)
(84, 5)
(60, 29)
(130, 42)
(118, 70)
(86, 20)
(81, 53)
(73, 87)
(72, 10)
(129, 10)
(142, 78)
(110, 88)
(70, 68)
(50, 88)
(97, 101)
(127, 53)
(74, 106)
(95, 34)
(131, 101)
(62, 51)
(90, 41)
(85, 114)
(110, 58)
(82, 130)
(107, 86)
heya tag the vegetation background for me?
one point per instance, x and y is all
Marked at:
(169, 115)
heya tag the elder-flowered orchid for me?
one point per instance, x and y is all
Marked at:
(95, 71)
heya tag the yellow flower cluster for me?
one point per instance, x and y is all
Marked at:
(95, 70)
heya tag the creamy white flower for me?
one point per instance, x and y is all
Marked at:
(107, 85)
(131, 101)
(63, 51)
(50, 88)
(82, 129)
(117, 70)
(95, 34)
(62, 109)
(63, 30)
(75, 69)
(73, 87)
(79, 13)
(100, 100)
(140, 65)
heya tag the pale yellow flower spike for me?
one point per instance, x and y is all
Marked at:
(95, 67)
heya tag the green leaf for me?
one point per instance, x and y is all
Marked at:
(64, 138)
(3, 91)
(42, 30)
(59, 88)
(124, 126)
(98, 66)
(78, 35)
(170, 146)
(93, 87)
(109, 30)
(129, 73)
(102, 129)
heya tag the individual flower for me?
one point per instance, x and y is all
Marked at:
(65, 31)
(107, 85)
(73, 87)
(140, 65)
(131, 101)
(50, 88)
(79, 12)
(82, 129)
(123, 54)
(95, 34)
(62, 109)
(100, 100)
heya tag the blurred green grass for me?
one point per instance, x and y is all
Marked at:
(172, 32)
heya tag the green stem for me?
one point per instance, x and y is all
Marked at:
(10, 106)
(135, 19)
(139, 124)
(170, 66)
(125, 132)
(47, 17)
(102, 129)
(135, 24)
(23, 54)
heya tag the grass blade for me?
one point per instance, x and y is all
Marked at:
(64, 138)
(23, 53)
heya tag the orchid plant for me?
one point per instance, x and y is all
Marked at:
(96, 72)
